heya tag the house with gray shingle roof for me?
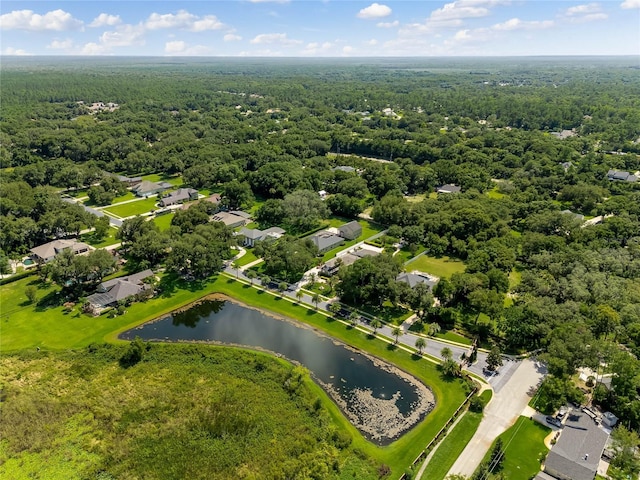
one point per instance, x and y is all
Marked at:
(449, 188)
(46, 252)
(109, 293)
(576, 454)
(621, 176)
(351, 230)
(232, 219)
(147, 188)
(253, 235)
(332, 266)
(416, 277)
(179, 196)
(326, 240)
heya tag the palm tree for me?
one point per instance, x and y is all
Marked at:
(420, 344)
(299, 295)
(396, 332)
(282, 286)
(316, 299)
(375, 324)
(236, 265)
(446, 353)
(353, 318)
(433, 329)
(266, 280)
(252, 275)
(335, 308)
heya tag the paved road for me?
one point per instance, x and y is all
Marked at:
(503, 410)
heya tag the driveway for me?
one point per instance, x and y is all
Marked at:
(504, 409)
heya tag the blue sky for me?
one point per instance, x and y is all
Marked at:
(328, 28)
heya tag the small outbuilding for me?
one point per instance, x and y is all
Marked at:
(351, 230)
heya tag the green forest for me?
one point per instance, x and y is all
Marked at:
(542, 239)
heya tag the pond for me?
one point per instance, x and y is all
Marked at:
(380, 400)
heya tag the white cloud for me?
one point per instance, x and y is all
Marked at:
(61, 44)
(104, 20)
(375, 10)
(388, 24)
(180, 47)
(93, 48)
(347, 50)
(56, 20)
(274, 38)
(628, 4)
(15, 51)
(183, 20)
(232, 37)
(371, 42)
(123, 36)
(517, 24)
(317, 48)
(584, 13)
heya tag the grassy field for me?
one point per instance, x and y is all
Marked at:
(123, 198)
(442, 267)
(453, 337)
(247, 258)
(495, 193)
(133, 208)
(157, 177)
(454, 443)
(163, 222)
(26, 326)
(82, 414)
(368, 230)
(524, 449)
(110, 239)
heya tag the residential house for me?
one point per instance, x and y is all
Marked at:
(48, 251)
(232, 219)
(214, 198)
(253, 235)
(147, 188)
(577, 216)
(179, 196)
(416, 277)
(564, 134)
(351, 230)
(620, 176)
(326, 240)
(449, 188)
(332, 266)
(576, 454)
(344, 168)
(109, 293)
(130, 181)
(566, 165)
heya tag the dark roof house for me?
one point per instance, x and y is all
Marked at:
(620, 176)
(109, 293)
(351, 230)
(179, 196)
(231, 219)
(576, 454)
(449, 188)
(48, 251)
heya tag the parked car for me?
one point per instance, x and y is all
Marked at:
(553, 421)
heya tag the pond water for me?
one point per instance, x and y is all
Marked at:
(380, 400)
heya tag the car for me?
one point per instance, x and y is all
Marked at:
(553, 421)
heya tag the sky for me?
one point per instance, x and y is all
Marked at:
(324, 28)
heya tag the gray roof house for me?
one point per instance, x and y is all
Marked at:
(344, 168)
(576, 454)
(351, 230)
(326, 241)
(253, 235)
(416, 277)
(332, 266)
(179, 196)
(48, 251)
(620, 176)
(577, 216)
(449, 188)
(109, 293)
(147, 188)
(231, 219)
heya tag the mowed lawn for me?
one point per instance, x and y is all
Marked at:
(110, 239)
(157, 177)
(163, 222)
(133, 208)
(442, 267)
(524, 449)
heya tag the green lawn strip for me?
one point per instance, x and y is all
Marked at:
(405, 255)
(442, 267)
(322, 288)
(110, 239)
(454, 443)
(163, 222)
(515, 277)
(123, 198)
(453, 337)
(133, 208)
(495, 194)
(247, 258)
(524, 449)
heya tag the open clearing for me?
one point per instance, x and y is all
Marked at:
(133, 208)
(442, 267)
